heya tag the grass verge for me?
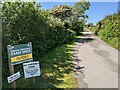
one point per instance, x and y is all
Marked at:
(56, 70)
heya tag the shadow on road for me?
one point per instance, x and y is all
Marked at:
(85, 40)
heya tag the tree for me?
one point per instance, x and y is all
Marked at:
(78, 18)
(62, 11)
(73, 17)
(79, 9)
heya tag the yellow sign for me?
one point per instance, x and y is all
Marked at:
(20, 58)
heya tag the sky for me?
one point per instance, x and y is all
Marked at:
(97, 11)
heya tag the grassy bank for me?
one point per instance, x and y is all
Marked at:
(56, 71)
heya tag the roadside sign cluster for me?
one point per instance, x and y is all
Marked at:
(22, 53)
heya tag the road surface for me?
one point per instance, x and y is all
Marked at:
(100, 62)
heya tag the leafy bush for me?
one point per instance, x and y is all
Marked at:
(107, 29)
(25, 22)
(77, 26)
(73, 16)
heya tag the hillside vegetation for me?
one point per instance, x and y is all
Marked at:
(25, 22)
(108, 30)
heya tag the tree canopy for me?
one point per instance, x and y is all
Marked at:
(73, 16)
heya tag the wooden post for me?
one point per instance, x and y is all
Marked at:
(13, 84)
(33, 78)
(34, 82)
(11, 68)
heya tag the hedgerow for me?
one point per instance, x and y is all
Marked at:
(25, 22)
(108, 30)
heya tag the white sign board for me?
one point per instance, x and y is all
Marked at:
(31, 69)
(13, 77)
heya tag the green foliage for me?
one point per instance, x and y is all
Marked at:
(107, 29)
(56, 71)
(79, 9)
(73, 17)
(77, 26)
(62, 11)
(25, 22)
(70, 34)
(78, 18)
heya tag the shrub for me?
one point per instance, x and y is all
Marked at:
(25, 22)
(107, 29)
(77, 26)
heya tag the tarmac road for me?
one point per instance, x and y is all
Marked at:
(100, 62)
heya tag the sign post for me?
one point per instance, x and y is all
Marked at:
(33, 78)
(11, 68)
(13, 84)
(18, 54)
